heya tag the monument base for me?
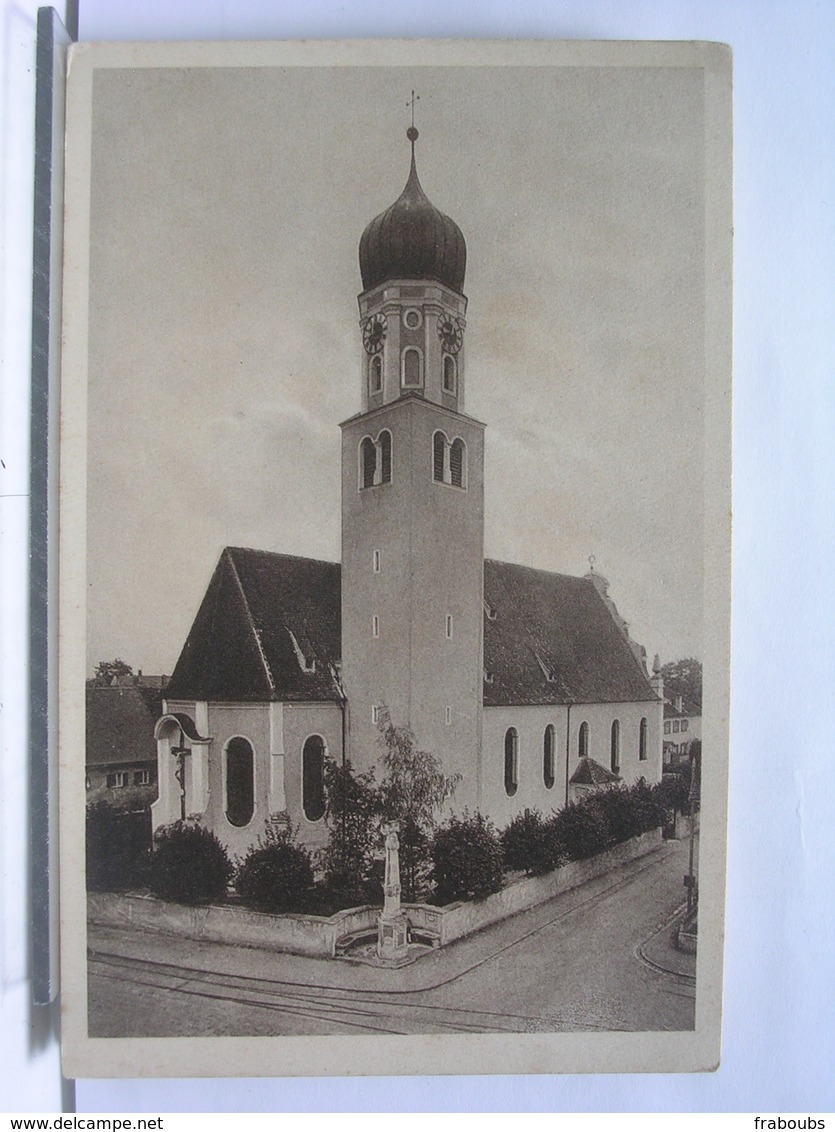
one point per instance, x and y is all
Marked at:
(392, 937)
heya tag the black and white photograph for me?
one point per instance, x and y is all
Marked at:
(395, 557)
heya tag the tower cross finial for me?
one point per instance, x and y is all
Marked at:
(412, 133)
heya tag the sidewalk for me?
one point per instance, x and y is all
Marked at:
(661, 953)
(431, 970)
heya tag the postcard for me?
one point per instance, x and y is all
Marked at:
(395, 557)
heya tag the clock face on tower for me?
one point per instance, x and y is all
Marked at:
(374, 333)
(451, 334)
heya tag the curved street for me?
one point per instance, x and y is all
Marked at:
(595, 959)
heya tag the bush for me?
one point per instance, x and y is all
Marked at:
(673, 792)
(581, 830)
(188, 865)
(467, 859)
(530, 843)
(276, 875)
(118, 848)
(649, 812)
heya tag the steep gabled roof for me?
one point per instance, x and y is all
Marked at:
(268, 629)
(120, 724)
(551, 639)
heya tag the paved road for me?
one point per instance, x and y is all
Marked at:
(590, 960)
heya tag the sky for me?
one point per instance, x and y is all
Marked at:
(224, 345)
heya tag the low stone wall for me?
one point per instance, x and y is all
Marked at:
(463, 918)
(232, 924)
(317, 935)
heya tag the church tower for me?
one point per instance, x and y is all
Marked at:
(413, 498)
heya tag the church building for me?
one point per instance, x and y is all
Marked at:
(524, 682)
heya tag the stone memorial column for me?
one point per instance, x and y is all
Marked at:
(392, 924)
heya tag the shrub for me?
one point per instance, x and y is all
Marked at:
(467, 859)
(276, 875)
(649, 812)
(188, 865)
(530, 843)
(673, 792)
(118, 848)
(581, 830)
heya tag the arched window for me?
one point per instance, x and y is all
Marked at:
(411, 367)
(616, 746)
(385, 456)
(449, 374)
(240, 781)
(511, 761)
(583, 741)
(368, 459)
(449, 461)
(376, 373)
(456, 463)
(438, 452)
(313, 778)
(642, 740)
(549, 745)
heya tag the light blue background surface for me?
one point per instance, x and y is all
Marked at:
(778, 1048)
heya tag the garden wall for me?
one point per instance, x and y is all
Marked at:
(462, 918)
(318, 935)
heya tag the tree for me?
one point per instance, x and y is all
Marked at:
(106, 670)
(683, 678)
(411, 795)
(352, 817)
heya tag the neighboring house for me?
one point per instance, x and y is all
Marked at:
(515, 678)
(682, 725)
(121, 752)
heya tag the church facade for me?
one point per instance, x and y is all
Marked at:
(524, 682)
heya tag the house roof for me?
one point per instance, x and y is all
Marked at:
(591, 773)
(120, 724)
(689, 709)
(552, 639)
(268, 629)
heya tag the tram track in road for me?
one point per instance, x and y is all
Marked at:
(365, 1009)
(401, 1010)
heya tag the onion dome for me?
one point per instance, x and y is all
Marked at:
(413, 240)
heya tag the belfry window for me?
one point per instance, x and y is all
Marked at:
(511, 761)
(412, 375)
(385, 456)
(549, 745)
(369, 461)
(313, 778)
(615, 763)
(449, 460)
(375, 460)
(583, 741)
(376, 374)
(456, 463)
(449, 373)
(438, 453)
(240, 781)
(642, 740)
